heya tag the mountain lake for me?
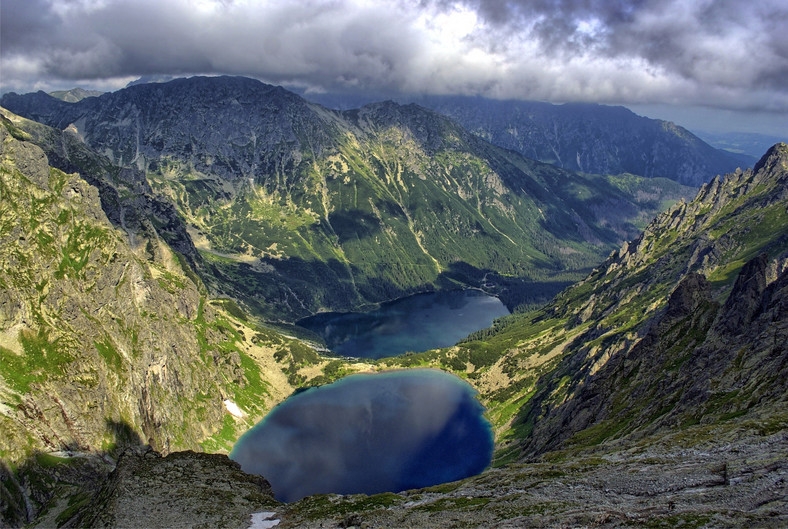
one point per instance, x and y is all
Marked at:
(415, 323)
(370, 433)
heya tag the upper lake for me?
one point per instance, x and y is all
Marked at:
(415, 323)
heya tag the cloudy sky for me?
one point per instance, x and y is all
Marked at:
(726, 60)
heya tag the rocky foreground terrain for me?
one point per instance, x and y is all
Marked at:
(740, 479)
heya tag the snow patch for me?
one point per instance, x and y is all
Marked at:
(263, 520)
(233, 408)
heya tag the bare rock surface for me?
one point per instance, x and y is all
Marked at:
(183, 489)
(672, 483)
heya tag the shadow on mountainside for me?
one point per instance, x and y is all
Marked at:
(61, 482)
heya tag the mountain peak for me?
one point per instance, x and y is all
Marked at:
(775, 157)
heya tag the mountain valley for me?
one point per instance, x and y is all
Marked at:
(158, 243)
(282, 195)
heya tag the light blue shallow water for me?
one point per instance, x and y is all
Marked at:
(368, 434)
(415, 323)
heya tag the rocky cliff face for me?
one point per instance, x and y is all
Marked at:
(620, 306)
(107, 337)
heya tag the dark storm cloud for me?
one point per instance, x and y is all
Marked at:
(729, 54)
(712, 43)
(331, 43)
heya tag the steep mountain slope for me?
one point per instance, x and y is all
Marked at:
(731, 221)
(311, 209)
(590, 138)
(104, 343)
(717, 351)
(126, 197)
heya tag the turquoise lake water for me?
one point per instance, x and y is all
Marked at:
(368, 434)
(415, 323)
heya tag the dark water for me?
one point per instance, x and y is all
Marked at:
(370, 433)
(415, 323)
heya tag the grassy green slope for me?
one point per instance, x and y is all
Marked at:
(550, 352)
(388, 212)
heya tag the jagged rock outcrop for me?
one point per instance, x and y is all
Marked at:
(183, 489)
(641, 354)
(699, 363)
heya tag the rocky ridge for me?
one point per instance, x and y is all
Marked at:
(183, 489)
(591, 138)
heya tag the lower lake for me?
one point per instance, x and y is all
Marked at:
(374, 433)
(414, 323)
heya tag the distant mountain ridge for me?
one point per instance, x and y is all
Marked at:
(282, 195)
(591, 138)
(75, 94)
(580, 136)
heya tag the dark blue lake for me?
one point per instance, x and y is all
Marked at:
(416, 323)
(367, 434)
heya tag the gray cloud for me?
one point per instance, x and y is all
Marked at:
(720, 53)
(715, 44)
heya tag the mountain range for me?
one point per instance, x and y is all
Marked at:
(312, 209)
(153, 240)
(585, 137)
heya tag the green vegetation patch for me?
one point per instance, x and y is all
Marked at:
(328, 506)
(107, 351)
(41, 359)
(224, 439)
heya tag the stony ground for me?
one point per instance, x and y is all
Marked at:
(742, 483)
